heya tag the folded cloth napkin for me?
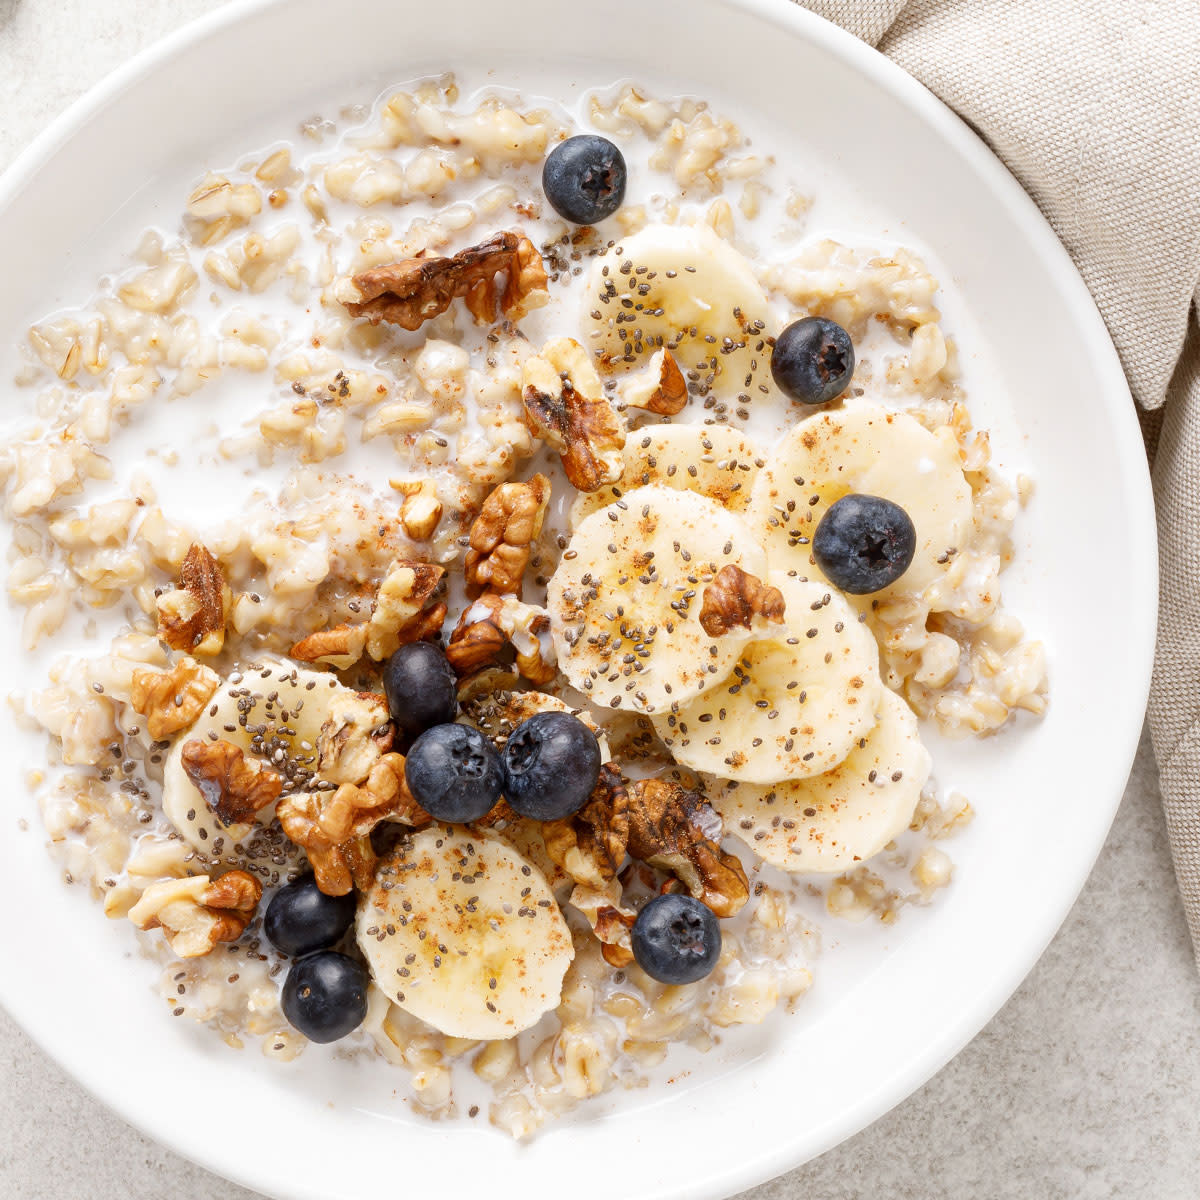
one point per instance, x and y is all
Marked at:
(1094, 105)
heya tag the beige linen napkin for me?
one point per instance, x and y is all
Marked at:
(1094, 105)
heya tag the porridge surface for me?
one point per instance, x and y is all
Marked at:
(216, 391)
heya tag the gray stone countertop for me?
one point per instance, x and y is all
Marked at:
(1085, 1086)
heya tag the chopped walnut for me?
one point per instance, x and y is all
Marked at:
(492, 628)
(192, 617)
(478, 641)
(334, 828)
(502, 536)
(590, 847)
(735, 598)
(565, 405)
(172, 700)
(402, 612)
(235, 790)
(355, 735)
(611, 921)
(421, 510)
(412, 292)
(196, 913)
(660, 388)
(341, 647)
(674, 829)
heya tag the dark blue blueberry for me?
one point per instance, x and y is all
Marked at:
(301, 918)
(551, 764)
(584, 179)
(676, 939)
(325, 996)
(863, 543)
(453, 773)
(421, 688)
(813, 360)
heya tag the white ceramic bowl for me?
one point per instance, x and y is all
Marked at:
(1045, 795)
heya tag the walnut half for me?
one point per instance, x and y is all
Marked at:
(565, 405)
(502, 536)
(414, 291)
(674, 829)
(172, 700)
(196, 913)
(735, 598)
(334, 828)
(233, 788)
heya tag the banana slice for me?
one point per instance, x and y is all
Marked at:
(462, 932)
(625, 600)
(680, 286)
(867, 450)
(274, 712)
(836, 820)
(796, 702)
(714, 460)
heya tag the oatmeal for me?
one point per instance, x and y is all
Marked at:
(507, 473)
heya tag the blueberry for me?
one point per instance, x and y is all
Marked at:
(325, 996)
(863, 543)
(813, 360)
(421, 688)
(301, 918)
(676, 939)
(551, 764)
(584, 179)
(453, 773)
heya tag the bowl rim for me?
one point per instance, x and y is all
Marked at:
(792, 20)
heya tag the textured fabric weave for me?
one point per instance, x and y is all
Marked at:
(1094, 105)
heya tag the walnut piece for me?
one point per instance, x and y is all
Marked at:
(735, 598)
(334, 828)
(354, 736)
(660, 388)
(502, 536)
(192, 617)
(674, 829)
(412, 292)
(565, 405)
(590, 847)
(196, 913)
(235, 790)
(421, 510)
(493, 628)
(172, 700)
(341, 647)
(401, 613)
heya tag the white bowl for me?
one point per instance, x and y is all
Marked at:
(876, 1026)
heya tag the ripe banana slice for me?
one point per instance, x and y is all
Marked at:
(868, 450)
(462, 932)
(797, 701)
(683, 287)
(625, 600)
(834, 821)
(714, 460)
(274, 712)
